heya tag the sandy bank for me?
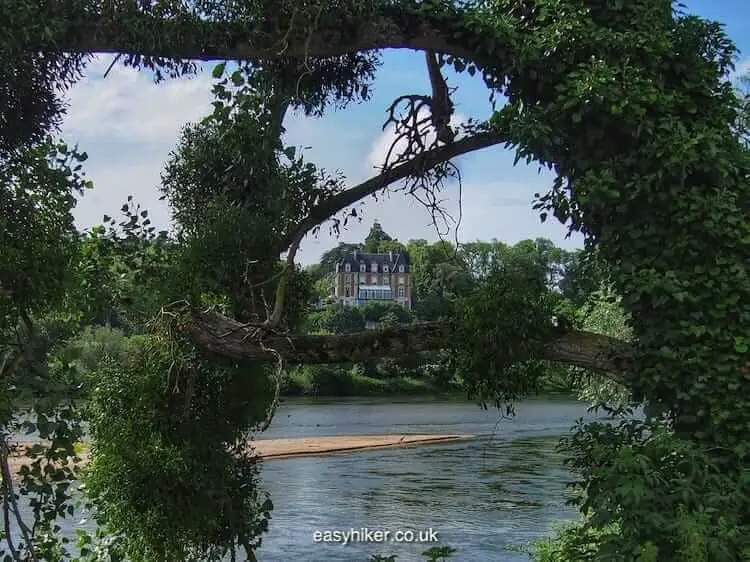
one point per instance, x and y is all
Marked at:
(307, 446)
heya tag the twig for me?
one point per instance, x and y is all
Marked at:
(277, 393)
(114, 61)
(11, 497)
(6, 521)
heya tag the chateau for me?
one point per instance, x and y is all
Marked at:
(361, 278)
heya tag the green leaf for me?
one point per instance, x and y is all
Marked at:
(740, 345)
(219, 69)
(237, 78)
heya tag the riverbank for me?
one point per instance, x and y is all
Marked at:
(352, 384)
(345, 383)
(269, 449)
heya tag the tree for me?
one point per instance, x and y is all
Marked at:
(625, 101)
(375, 238)
(333, 256)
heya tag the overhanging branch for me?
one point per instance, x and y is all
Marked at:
(426, 160)
(189, 37)
(227, 337)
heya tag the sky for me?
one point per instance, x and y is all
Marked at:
(128, 126)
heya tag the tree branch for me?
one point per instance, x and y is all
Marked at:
(227, 337)
(278, 306)
(188, 37)
(426, 160)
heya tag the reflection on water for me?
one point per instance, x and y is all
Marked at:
(504, 487)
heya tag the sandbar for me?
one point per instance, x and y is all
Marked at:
(271, 449)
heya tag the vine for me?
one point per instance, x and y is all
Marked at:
(171, 470)
(625, 101)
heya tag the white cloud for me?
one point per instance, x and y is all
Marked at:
(128, 106)
(128, 125)
(117, 177)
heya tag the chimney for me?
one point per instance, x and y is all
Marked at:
(390, 255)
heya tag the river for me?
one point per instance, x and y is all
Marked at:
(506, 487)
(483, 497)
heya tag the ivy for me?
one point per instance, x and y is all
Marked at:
(171, 472)
(625, 101)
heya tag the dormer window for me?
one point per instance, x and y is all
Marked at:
(362, 268)
(374, 267)
(385, 269)
(348, 267)
(401, 268)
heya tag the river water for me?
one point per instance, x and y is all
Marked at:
(502, 489)
(483, 497)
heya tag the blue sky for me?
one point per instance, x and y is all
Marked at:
(128, 126)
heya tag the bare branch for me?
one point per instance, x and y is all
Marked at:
(415, 166)
(278, 307)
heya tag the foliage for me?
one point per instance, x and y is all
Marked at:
(171, 472)
(603, 314)
(337, 320)
(434, 554)
(573, 541)
(626, 102)
(375, 238)
(501, 328)
(37, 192)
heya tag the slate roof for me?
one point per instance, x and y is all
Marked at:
(392, 260)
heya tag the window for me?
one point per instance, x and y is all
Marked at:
(346, 292)
(386, 280)
(401, 268)
(348, 267)
(374, 279)
(348, 277)
(385, 269)
(401, 280)
(374, 267)
(401, 291)
(362, 268)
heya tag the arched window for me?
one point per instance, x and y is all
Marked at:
(401, 268)
(348, 267)
(362, 268)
